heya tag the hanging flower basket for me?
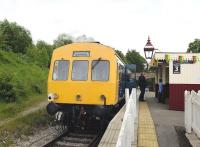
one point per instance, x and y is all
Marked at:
(167, 58)
(180, 58)
(194, 58)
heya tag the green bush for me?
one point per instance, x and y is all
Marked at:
(7, 92)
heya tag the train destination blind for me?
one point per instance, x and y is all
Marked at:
(81, 53)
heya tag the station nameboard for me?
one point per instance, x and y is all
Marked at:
(176, 67)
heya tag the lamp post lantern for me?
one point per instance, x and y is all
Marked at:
(149, 49)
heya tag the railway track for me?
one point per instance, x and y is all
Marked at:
(76, 139)
(70, 138)
(74, 136)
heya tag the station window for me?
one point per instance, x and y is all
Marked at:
(100, 70)
(60, 70)
(80, 70)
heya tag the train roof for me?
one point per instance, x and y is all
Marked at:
(89, 44)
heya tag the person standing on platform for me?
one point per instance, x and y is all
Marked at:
(160, 91)
(142, 85)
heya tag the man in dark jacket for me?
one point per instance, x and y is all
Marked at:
(142, 84)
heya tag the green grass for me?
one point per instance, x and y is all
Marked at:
(26, 78)
(23, 126)
(8, 110)
(21, 79)
(25, 83)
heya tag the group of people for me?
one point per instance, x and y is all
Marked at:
(142, 84)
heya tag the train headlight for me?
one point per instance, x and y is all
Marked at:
(52, 96)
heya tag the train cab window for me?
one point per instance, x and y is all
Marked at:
(100, 70)
(80, 70)
(60, 70)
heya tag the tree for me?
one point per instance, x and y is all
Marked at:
(62, 39)
(121, 55)
(14, 37)
(43, 45)
(133, 57)
(194, 46)
(32, 53)
(42, 58)
(38, 55)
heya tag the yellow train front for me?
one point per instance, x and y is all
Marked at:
(86, 82)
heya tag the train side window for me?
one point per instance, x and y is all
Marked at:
(121, 72)
(60, 70)
(80, 70)
(100, 70)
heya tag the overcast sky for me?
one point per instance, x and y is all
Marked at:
(122, 24)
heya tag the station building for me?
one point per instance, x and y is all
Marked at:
(179, 72)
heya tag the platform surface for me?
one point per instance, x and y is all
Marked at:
(165, 121)
(156, 126)
(111, 134)
(146, 130)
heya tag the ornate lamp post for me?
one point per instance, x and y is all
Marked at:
(149, 49)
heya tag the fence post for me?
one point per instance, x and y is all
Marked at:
(198, 116)
(129, 130)
(190, 110)
(188, 113)
(126, 134)
(134, 97)
(186, 109)
(126, 96)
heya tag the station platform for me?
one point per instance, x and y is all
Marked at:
(156, 126)
(111, 134)
(144, 129)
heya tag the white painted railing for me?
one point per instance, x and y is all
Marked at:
(192, 112)
(127, 134)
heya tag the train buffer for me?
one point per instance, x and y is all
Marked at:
(146, 124)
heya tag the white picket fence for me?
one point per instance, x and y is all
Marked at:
(127, 134)
(192, 112)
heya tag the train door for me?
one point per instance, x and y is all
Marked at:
(121, 71)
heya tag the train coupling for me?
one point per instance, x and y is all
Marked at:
(59, 116)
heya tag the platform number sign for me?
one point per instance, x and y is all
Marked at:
(176, 67)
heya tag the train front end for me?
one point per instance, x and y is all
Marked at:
(82, 82)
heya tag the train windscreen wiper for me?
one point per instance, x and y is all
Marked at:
(99, 59)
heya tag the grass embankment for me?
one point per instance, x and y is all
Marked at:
(10, 110)
(22, 84)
